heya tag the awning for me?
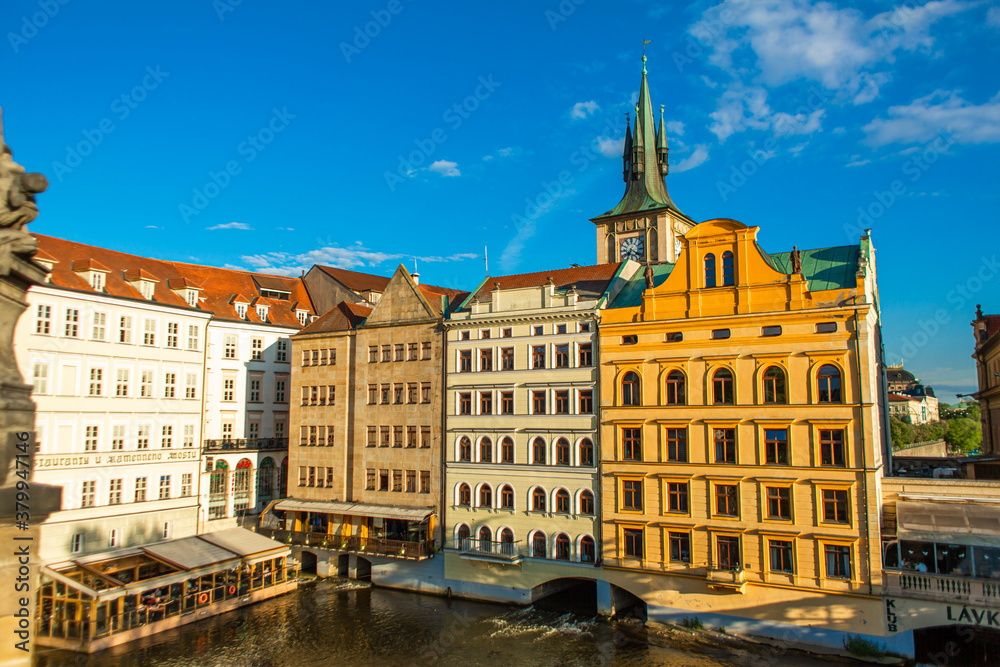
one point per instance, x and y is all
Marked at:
(190, 553)
(356, 509)
(949, 523)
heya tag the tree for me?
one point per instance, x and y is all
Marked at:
(963, 434)
(899, 432)
(973, 413)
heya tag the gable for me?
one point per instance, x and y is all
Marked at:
(402, 302)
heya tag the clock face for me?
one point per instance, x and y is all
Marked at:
(632, 248)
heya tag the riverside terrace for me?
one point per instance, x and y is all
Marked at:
(104, 600)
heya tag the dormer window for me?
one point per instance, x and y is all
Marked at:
(241, 311)
(146, 289)
(97, 281)
(262, 313)
(191, 297)
(302, 315)
(93, 272)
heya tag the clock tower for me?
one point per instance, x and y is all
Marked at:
(646, 224)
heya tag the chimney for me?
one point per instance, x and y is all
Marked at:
(416, 278)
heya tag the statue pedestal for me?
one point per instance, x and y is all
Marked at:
(18, 573)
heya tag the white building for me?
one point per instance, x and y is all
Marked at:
(116, 357)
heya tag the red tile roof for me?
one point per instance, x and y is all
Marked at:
(587, 280)
(219, 286)
(342, 317)
(354, 280)
(992, 325)
(900, 397)
(89, 265)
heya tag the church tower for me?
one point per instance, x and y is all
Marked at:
(645, 224)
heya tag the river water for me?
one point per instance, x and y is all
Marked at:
(345, 623)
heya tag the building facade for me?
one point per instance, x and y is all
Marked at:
(116, 359)
(521, 484)
(987, 356)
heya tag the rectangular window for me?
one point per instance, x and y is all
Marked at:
(114, 538)
(506, 358)
(72, 322)
(838, 561)
(776, 446)
(399, 350)
(507, 403)
(562, 402)
(397, 481)
(538, 402)
(632, 495)
(425, 351)
(560, 328)
(312, 476)
(631, 444)
(88, 494)
(781, 556)
(370, 479)
(412, 351)
(372, 354)
(164, 487)
(43, 320)
(562, 356)
(680, 547)
(728, 551)
(118, 437)
(169, 385)
(228, 389)
(167, 437)
(385, 394)
(191, 385)
(411, 481)
(229, 346)
(586, 401)
(835, 505)
(315, 359)
(40, 378)
(831, 443)
(826, 327)
(425, 392)
(677, 497)
(538, 356)
(193, 336)
(720, 334)
(149, 332)
(770, 331)
(411, 436)
(386, 436)
(387, 353)
(281, 351)
(465, 361)
(186, 484)
(99, 330)
(383, 480)
(725, 445)
(372, 436)
(189, 435)
(674, 337)
(146, 384)
(372, 394)
(254, 394)
(256, 349)
(425, 481)
(125, 329)
(585, 355)
(507, 333)
(485, 403)
(140, 489)
(677, 445)
(397, 394)
(397, 436)
(411, 392)
(90, 439)
(630, 340)
(96, 382)
(727, 500)
(172, 334)
(632, 542)
(115, 492)
(465, 403)
(536, 330)
(486, 360)
(779, 502)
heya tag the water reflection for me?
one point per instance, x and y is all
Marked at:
(339, 622)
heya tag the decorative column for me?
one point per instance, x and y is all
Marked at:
(24, 504)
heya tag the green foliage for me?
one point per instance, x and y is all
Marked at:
(722, 629)
(900, 433)
(963, 434)
(864, 648)
(693, 623)
(974, 413)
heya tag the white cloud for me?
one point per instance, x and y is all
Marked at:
(504, 152)
(697, 158)
(610, 147)
(286, 229)
(993, 17)
(230, 225)
(584, 109)
(445, 168)
(856, 161)
(940, 113)
(354, 257)
(745, 108)
(151, 227)
(675, 127)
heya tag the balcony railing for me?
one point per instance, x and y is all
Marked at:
(363, 545)
(504, 551)
(942, 587)
(245, 444)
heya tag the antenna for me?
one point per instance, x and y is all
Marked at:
(414, 264)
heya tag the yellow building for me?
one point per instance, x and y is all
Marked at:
(742, 437)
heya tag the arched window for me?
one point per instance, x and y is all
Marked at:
(507, 536)
(464, 495)
(538, 545)
(562, 501)
(562, 452)
(486, 450)
(586, 452)
(506, 497)
(774, 386)
(675, 388)
(587, 503)
(241, 485)
(709, 270)
(630, 389)
(266, 478)
(464, 449)
(653, 245)
(728, 270)
(588, 550)
(485, 535)
(463, 534)
(538, 500)
(538, 451)
(722, 387)
(485, 496)
(611, 248)
(562, 547)
(828, 380)
(507, 450)
(283, 478)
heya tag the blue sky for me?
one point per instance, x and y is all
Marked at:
(237, 133)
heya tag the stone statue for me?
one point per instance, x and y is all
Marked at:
(796, 260)
(647, 275)
(17, 206)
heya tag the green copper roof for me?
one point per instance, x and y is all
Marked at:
(823, 268)
(631, 294)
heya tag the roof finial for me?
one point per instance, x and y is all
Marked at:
(644, 43)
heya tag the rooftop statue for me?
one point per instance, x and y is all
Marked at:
(17, 206)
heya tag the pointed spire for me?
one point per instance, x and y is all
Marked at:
(661, 145)
(627, 153)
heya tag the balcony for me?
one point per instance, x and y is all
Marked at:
(942, 587)
(246, 444)
(733, 580)
(375, 546)
(496, 552)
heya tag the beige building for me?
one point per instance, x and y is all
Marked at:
(987, 356)
(521, 487)
(913, 409)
